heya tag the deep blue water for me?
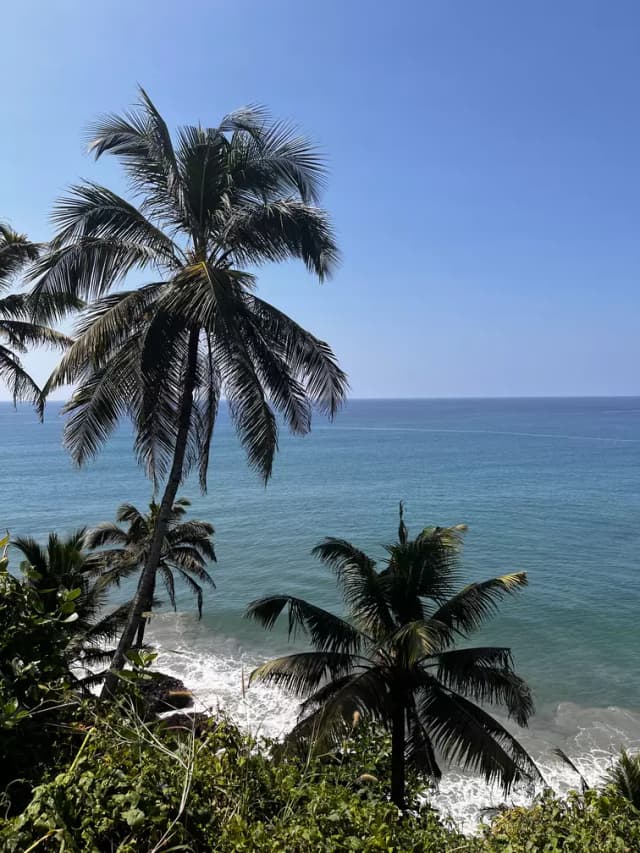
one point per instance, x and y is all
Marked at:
(551, 486)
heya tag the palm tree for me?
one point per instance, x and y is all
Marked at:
(187, 550)
(18, 328)
(63, 565)
(393, 659)
(206, 210)
(624, 777)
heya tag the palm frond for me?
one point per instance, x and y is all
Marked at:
(562, 755)
(108, 325)
(468, 736)
(367, 692)
(486, 675)
(164, 363)
(106, 397)
(310, 360)
(326, 631)
(250, 411)
(16, 252)
(413, 641)
(624, 776)
(18, 381)
(271, 158)
(170, 584)
(364, 591)
(23, 334)
(419, 751)
(93, 211)
(277, 231)
(140, 139)
(87, 268)
(303, 672)
(105, 533)
(478, 601)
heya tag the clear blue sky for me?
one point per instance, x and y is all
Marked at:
(485, 166)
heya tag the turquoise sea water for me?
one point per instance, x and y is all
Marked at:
(551, 486)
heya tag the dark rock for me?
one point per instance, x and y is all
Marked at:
(163, 693)
(197, 722)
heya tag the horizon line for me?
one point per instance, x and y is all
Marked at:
(433, 398)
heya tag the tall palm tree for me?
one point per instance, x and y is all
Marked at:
(187, 550)
(65, 565)
(393, 659)
(18, 328)
(205, 211)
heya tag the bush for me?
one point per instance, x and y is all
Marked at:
(595, 822)
(134, 787)
(34, 680)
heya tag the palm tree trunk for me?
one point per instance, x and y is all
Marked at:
(397, 756)
(143, 619)
(146, 584)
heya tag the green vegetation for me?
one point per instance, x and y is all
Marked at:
(186, 551)
(624, 777)
(23, 319)
(208, 208)
(65, 568)
(35, 635)
(83, 776)
(128, 787)
(594, 821)
(393, 659)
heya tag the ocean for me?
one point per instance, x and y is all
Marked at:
(550, 486)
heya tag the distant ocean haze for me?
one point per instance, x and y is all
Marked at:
(549, 486)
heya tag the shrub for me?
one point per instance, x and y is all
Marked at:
(595, 822)
(135, 787)
(34, 680)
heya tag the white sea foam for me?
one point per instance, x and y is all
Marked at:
(219, 680)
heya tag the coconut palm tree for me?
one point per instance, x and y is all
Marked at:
(205, 213)
(63, 565)
(187, 550)
(393, 659)
(19, 329)
(624, 777)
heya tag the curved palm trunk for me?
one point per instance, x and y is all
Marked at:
(397, 756)
(143, 619)
(146, 584)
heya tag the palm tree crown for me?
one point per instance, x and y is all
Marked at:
(19, 329)
(187, 550)
(206, 209)
(393, 659)
(63, 565)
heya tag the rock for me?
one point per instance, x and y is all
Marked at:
(163, 693)
(197, 722)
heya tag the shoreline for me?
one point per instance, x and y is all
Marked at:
(591, 736)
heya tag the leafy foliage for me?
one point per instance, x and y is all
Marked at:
(34, 675)
(592, 821)
(187, 550)
(63, 574)
(624, 777)
(205, 206)
(23, 320)
(133, 787)
(393, 660)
